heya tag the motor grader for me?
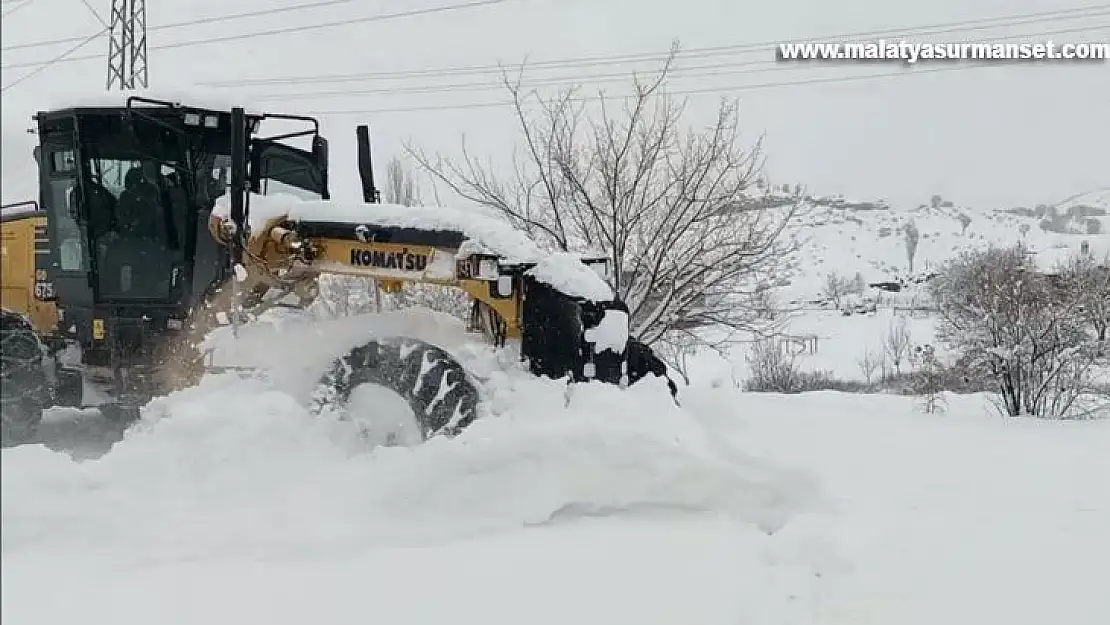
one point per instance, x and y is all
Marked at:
(143, 240)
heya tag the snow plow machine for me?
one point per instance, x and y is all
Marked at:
(157, 222)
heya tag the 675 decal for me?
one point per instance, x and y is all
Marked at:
(44, 290)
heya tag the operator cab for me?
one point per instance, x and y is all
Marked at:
(128, 190)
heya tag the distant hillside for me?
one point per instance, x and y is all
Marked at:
(869, 237)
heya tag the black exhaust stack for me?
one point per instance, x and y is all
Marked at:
(370, 193)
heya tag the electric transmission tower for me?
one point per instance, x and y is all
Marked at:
(127, 66)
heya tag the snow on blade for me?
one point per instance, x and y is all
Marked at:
(567, 273)
(611, 334)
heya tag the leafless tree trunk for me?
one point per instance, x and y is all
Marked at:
(688, 243)
(868, 364)
(897, 343)
(401, 186)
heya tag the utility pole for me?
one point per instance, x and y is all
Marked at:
(127, 67)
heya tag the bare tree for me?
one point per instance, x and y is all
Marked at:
(676, 350)
(913, 236)
(1020, 327)
(868, 364)
(835, 288)
(897, 343)
(401, 186)
(673, 209)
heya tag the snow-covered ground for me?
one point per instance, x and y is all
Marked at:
(230, 503)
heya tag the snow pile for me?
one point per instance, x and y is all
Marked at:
(567, 273)
(484, 234)
(237, 465)
(293, 349)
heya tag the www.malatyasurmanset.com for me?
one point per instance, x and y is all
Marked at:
(909, 52)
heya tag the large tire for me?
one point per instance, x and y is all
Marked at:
(436, 387)
(24, 382)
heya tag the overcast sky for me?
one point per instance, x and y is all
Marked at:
(988, 137)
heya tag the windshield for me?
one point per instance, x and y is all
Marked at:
(137, 211)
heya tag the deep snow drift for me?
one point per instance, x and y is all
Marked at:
(230, 503)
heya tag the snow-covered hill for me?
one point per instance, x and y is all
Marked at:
(869, 238)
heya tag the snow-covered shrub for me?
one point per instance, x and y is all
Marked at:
(773, 368)
(1022, 328)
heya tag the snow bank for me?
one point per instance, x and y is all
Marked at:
(485, 234)
(237, 466)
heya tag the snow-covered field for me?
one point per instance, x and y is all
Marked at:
(230, 503)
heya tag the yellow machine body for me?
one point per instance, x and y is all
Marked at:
(24, 285)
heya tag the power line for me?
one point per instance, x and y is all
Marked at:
(705, 71)
(992, 22)
(473, 4)
(704, 52)
(195, 22)
(58, 59)
(694, 91)
(96, 14)
(16, 8)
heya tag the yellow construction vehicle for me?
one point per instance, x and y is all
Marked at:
(158, 220)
